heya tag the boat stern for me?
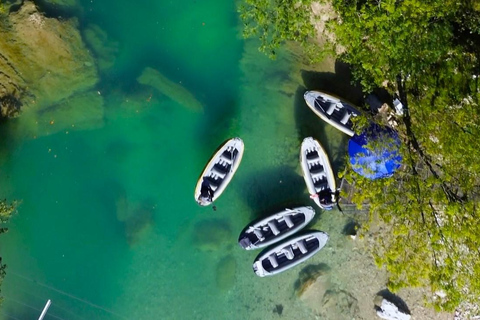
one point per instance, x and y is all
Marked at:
(258, 269)
(245, 243)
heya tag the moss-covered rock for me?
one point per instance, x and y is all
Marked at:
(82, 111)
(42, 60)
(104, 48)
(211, 235)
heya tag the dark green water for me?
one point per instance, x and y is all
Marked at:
(108, 227)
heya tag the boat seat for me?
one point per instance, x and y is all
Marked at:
(273, 227)
(345, 117)
(220, 168)
(316, 168)
(288, 252)
(214, 183)
(258, 233)
(321, 184)
(219, 173)
(288, 221)
(301, 246)
(273, 260)
(227, 157)
(331, 108)
(312, 155)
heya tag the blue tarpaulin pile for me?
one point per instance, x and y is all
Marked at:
(375, 154)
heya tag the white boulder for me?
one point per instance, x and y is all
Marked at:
(388, 310)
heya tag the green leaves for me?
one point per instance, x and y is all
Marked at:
(429, 205)
(428, 52)
(277, 21)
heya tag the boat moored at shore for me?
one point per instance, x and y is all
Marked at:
(289, 253)
(332, 110)
(275, 227)
(318, 173)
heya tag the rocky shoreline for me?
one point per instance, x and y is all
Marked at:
(44, 63)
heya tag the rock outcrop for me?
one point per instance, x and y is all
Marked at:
(104, 48)
(324, 298)
(83, 111)
(42, 60)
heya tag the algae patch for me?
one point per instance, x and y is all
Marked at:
(225, 273)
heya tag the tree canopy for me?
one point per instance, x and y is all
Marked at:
(276, 21)
(428, 53)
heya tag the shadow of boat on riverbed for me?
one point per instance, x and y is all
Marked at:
(273, 190)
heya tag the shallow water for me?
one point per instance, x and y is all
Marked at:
(108, 227)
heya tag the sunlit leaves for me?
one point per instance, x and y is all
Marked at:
(430, 205)
(277, 21)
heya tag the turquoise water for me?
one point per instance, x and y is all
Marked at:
(108, 227)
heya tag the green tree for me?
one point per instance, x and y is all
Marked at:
(277, 21)
(428, 53)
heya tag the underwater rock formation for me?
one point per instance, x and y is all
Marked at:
(225, 273)
(42, 60)
(339, 305)
(173, 90)
(82, 111)
(139, 221)
(312, 278)
(324, 298)
(104, 48)
(62, 5)
(211, 235)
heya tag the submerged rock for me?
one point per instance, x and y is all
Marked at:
(317, 292)
(139, 221)
(225, 273)
(64, 5)
(211, 235)
(339, 305)
(312, 285)
(104, 48)
(43, 60)
(312, 278)
(83, 111)
(173, 90)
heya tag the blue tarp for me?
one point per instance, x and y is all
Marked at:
(381, 158)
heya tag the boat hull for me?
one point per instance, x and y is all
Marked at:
(220, 169)
(289, 253)
(275, 227)
(332, 110)
(317, 173)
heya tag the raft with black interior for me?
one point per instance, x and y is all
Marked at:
(275, 227)
(318, 173)
(332, 110)
(289, 253)
(220, 170)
